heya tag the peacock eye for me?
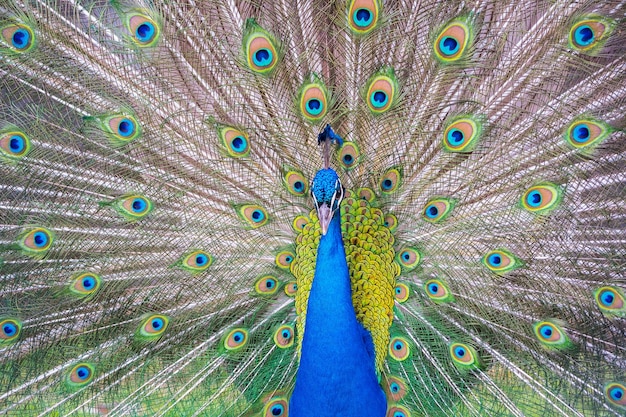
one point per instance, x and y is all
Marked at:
(144, 31)
(541, 198)
(234, 141)
(589, 33)
(551, 334)
(20, 38)
(611, 301)
(122, 128)
(14, 145)
(501, 261)
(133, 206)
(260, 48)
(398, 411)
(464, 356)
(349, 155)
(195, 261)
(266, 285)
(275, 407)
(438, 291)
(363, 15)
(235, 339)
(283, 336)
(616, 393)
(401, 292)
(409, 259)
(314, 100)
(452, 42)
(85, 284)
(294, 182)
(80, 375)
(284, 259)
(462, 134)
(10, 329)
(399, 348)
(381, 91)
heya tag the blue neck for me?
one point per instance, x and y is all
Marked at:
(337, 375)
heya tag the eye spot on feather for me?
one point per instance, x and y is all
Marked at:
(276, 407)
(80, 375)
(610, 300)
(398, 411)
(19, 38)
(291, 288)
(363, 15)
(501, 261)
(152, 327)
(299, 223)
(284, 259)
(462, 134)
(120, 128)
(255, 216)
(133, 206)
(123, 129)
(233, 141)
(395, 388)
(390, 181)
(36, 241)
(145, 31)
(551, 335)
(586, 133)
(589, 33)
(155, 325)
(14, 145)
(313, 100)
(262, 57)
(452, 42)
(266, 285)
(283, 336)
(195, 261)
(437, 291)
(295, 183)
(381, 92)
(401, 292)
(541, 198)
(399, 348)
(437, 210)
(616, 394)
(260, 48)
(85, 284)
(349, 155)
(464, 356)
(236, 339)
(391, 222)
(409, 259)
(10, 330)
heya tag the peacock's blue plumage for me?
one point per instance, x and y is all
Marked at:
(337, 373)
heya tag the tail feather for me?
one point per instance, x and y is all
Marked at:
(209, 146)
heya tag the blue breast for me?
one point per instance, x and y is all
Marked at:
(337, 375)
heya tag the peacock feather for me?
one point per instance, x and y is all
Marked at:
(312, 208)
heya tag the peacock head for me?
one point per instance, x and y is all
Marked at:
(327, 193)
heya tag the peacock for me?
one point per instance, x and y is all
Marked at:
(357, 208)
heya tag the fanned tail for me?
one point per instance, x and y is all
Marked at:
(156, 159)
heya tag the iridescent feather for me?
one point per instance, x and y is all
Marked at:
(160, 251)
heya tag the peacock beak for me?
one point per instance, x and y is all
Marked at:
(325, 214)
